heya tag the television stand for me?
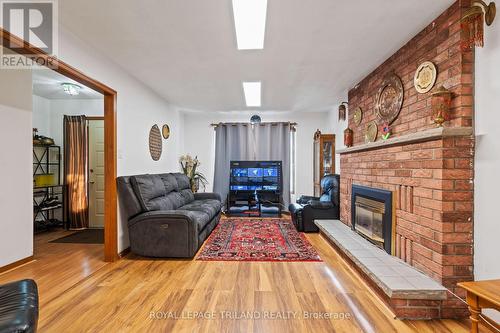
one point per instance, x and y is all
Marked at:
(266, 204)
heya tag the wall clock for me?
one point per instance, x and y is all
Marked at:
(425, 77)
(389, 99)
(155, 143)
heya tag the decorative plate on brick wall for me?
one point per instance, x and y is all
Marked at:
(425, 77)
(371, 132)
(389, 99)
(357, 116)
(155, 143)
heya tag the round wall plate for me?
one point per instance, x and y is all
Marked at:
(165, 131)
(371, 132)
(425, 77)
(357, 116)
(389, 99)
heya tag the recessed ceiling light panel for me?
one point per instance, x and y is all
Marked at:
(250, 23)
(252, 93)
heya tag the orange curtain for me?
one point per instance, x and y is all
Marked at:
(75, 171)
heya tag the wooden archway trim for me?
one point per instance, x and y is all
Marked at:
(11, 41)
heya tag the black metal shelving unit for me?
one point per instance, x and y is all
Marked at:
(47, 199)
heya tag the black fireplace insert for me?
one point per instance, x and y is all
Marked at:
(371, 210)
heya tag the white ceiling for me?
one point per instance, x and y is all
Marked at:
(47, 84)
(185, 50)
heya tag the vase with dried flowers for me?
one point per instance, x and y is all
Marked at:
(189, 167)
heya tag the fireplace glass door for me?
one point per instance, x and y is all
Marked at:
(369, 220)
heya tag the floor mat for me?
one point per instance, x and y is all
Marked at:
(87, 236)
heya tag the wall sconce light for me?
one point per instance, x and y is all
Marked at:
(441, 103)
(472, 23)
(343, 110)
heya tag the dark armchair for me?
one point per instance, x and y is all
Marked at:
(307, 209)
(19, 307)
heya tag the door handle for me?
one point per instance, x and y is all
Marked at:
(91, 182)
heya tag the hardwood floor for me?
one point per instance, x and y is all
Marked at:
(81, 293)
(57, 267)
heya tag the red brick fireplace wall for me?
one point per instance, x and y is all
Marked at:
(431, 181)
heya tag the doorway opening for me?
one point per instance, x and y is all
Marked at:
(69, 168)
(20, 46)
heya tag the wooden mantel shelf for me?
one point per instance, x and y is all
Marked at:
(427, 135)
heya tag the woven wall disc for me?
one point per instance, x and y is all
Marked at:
(155, 143)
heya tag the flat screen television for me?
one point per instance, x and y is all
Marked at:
(251, 176)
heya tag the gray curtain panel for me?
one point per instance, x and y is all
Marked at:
(244, 142)
(232, 143)
(272, 143)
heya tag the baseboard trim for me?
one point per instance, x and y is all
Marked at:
(16, 264)
(124, 252)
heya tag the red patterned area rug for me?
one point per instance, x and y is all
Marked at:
(257, 239)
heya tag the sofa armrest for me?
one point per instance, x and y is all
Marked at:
(304, 200)
(293, 208)
(164, 215)
(316, 204)
(207, 195)
(167, 233)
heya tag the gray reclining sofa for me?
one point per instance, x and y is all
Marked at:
(165, 218)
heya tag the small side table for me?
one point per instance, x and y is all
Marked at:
(481, 295)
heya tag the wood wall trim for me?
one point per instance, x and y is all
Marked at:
(20, 46)
(110, 193)
(25, 48)
(16, 264)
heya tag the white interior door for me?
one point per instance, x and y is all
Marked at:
(96, 173)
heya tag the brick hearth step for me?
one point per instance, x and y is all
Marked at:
(410, 293)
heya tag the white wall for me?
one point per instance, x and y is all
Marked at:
(199, 139)
(41, 115)
(487, 159)
(16, 223)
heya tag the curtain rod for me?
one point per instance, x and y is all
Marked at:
(246, 124)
